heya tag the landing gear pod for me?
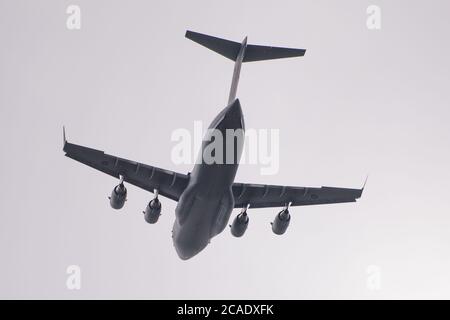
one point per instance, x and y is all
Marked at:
(281, 222)
(240, 223)
(153, 210)
(118, 195)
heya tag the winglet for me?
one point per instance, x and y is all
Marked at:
(364, 185)
(64, 137)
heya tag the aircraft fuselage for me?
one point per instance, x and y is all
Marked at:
(206, 204)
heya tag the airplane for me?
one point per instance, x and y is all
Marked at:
(207, 196)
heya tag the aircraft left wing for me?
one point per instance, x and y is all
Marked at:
(170, 184)
(265, 196)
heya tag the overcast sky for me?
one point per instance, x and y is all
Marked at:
(359, 102)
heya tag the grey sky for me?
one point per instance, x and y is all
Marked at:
(359, 102)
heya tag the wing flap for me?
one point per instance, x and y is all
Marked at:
(169, 183)
(262, 196)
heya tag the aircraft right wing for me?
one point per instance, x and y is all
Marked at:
(265, 196)
(169, 184)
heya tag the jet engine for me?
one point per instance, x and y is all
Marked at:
(118, 195)
(240, 223)
(281, 222)
(153, 210)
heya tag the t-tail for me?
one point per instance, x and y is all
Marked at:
(242, 52)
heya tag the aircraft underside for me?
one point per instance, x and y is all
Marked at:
(207, 195)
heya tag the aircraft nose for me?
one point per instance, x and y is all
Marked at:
(184, 254)
(186, 249)
(187, 244)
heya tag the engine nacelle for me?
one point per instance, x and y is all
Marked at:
(281, 222)
(240, 224)
(118, 196)
(153, 211)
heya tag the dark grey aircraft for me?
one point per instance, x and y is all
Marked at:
(207, 195)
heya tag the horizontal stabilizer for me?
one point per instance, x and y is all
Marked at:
(230, 49)
(227, 48)
(257, 53)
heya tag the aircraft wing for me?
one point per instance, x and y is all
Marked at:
(170, 184)
(264, 196)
